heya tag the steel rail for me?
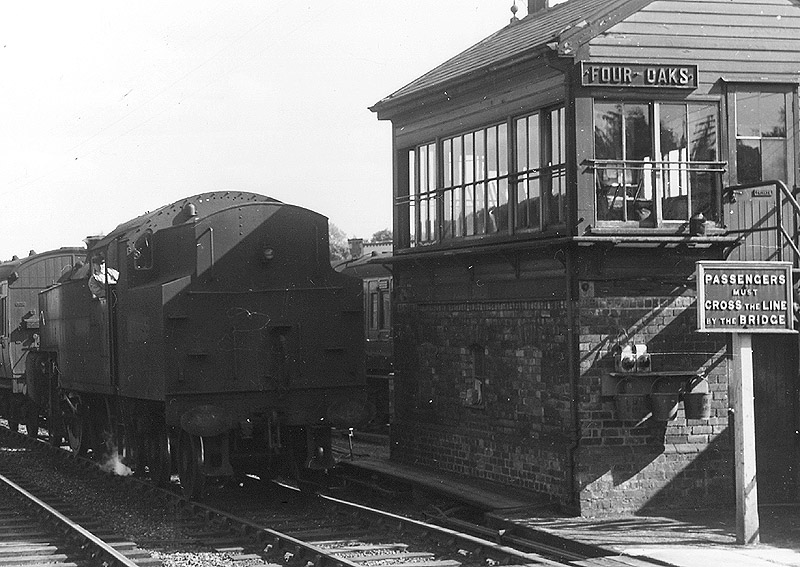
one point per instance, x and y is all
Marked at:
(77, 530)
(499, 548)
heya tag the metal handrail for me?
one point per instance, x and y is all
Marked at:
(672, 165)
(781, 188)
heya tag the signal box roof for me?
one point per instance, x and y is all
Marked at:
(524, 39)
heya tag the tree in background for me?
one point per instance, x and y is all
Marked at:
(384, 235)
(339, 248)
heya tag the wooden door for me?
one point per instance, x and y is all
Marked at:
(761, 148)
(777, 396)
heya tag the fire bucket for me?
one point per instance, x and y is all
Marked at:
(630, 407)
(697, 400)
(697, 405)
(664, 404)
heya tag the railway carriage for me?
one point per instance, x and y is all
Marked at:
(20, 282)
(215, 338)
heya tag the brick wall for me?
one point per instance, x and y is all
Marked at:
(482, 389)
(624, 466)
(518, 430)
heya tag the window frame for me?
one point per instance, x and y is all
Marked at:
(652, 173)
(419, 225)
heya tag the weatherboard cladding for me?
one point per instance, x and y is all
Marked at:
(755, 40)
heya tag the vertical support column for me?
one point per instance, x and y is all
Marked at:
(747, 524)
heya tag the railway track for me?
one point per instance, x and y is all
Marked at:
(34, 532)
(258, 523)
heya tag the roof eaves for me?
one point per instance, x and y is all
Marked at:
(385, 106)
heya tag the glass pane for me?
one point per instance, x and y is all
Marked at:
(528, 204)
(521, 212)
(457, 161)
(491, 150)
(433, 216)
(534, 151)
(431, 167)
(458, 213)
(373, 310)
(773, 159)
(501, 212)
(386, 311)
(607, 131)
(469, 158)
(556, 129)
(522, 144)
(748, 161)
(480, 155)
(480, 209)
(704, 191)
(748, 121)
(423, 169)
(502, 145)
(773, 115)
(557, 200)
(447, 161)
(638, 137)
(447, 230)
(702, 132)
(674, 180)
(469, 210)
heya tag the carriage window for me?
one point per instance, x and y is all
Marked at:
(143, 251)
(379, 308)
(656, 162)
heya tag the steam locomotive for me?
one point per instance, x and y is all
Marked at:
(208, 337)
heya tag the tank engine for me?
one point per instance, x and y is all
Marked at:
(211, 336)
(20, 282)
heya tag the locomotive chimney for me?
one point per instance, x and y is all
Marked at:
(536, 6)
(356, 247)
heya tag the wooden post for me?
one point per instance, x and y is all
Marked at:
(747, 525)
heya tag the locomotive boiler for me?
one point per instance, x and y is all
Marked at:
(208, 337)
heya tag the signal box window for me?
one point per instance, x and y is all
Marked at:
(656, 162)
(541, 172)
(464, 186)
(475, 183)
(760, 136)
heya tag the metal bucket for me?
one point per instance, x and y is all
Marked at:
(665, 405)
(697, 405)
(630, 407)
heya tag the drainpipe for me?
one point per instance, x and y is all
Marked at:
(573, 368)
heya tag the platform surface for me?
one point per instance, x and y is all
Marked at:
(690, 538)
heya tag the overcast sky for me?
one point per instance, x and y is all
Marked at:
(111, 109)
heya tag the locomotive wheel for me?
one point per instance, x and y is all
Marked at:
(190, 459)
(159, 457)
(75, 433)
